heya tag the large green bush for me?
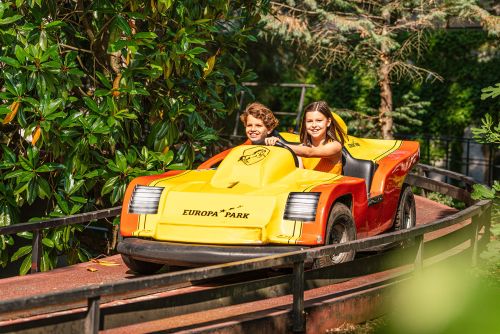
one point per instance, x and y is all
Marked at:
(94, 93)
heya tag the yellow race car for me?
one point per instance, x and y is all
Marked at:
(254, 200)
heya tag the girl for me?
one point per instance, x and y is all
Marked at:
(322, 139)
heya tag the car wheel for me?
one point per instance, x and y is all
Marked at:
(406, 216)
(340, 229)
(141, 267)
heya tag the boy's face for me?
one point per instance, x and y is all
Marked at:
(255, 130)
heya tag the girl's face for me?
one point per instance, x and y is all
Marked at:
(316, 125)
(255, 129)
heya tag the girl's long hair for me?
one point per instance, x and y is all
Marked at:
(333, 132)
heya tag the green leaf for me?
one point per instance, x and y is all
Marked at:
(55, 24)
(177, 166)
(45, 263)
(79, 199)
(123, 25)
(83, 255)
(15, 174)
(43, 188)
(118, 192)
(49, 167)
(95, 173)
(91, 104)
(47, 242)
(109, 185)
(482, 192)
(9, 20)
(197, 50)
(25, 266)
(20, 54)
(164, 5)
(121, 161)
(491, 91)
(31, 191)
(10, 61)
(145, 35)
(104, 81)
(62, 203)
(22, 251)
(25, 235)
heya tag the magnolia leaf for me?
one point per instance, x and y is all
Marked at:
(109, 185)
(25, 266)
(47, 242)
(22, 251)
(11, 19)
(209, 66)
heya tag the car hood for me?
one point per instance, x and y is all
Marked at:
(195, 209)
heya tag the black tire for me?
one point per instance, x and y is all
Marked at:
(141, 267)
(340, 229)
(406, 215)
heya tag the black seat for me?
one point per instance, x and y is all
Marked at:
(361, 168)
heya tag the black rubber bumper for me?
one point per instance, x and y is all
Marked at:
(181, 254)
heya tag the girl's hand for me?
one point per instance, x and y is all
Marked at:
(271, 141)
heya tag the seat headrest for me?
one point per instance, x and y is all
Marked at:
(340, 122)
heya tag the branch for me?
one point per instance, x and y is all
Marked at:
(75, 48)
(415, 72)
(292, 8)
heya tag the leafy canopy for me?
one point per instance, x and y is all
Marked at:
(96, 93)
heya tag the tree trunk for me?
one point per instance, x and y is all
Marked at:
(385, 109)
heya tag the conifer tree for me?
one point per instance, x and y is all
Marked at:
(378, 36)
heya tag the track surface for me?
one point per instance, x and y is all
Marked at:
(113, 270)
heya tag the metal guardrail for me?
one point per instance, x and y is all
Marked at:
(37, 227)
(461, 160)
(479, 213)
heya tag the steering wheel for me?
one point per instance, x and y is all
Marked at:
(295, 158)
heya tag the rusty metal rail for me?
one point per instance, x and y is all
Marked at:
(39, 226)
(296, 283)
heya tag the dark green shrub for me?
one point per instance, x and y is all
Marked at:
(94, 93)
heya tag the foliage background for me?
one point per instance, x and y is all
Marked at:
(94, 93)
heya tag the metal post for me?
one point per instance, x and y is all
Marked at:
(36, 252)
(428, 149)
(301, 105)
(467, 158)
(447, 158)
(426, 175)
(298, 298)
(237, 121)
(92, 317)
(419, 258)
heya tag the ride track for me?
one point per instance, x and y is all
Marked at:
(176, 301)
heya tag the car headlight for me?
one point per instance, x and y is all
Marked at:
(301, 206)
(145, 199)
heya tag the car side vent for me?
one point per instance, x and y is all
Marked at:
(301, 206)
(145, 200)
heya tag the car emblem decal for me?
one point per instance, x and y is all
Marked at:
(253, 155)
